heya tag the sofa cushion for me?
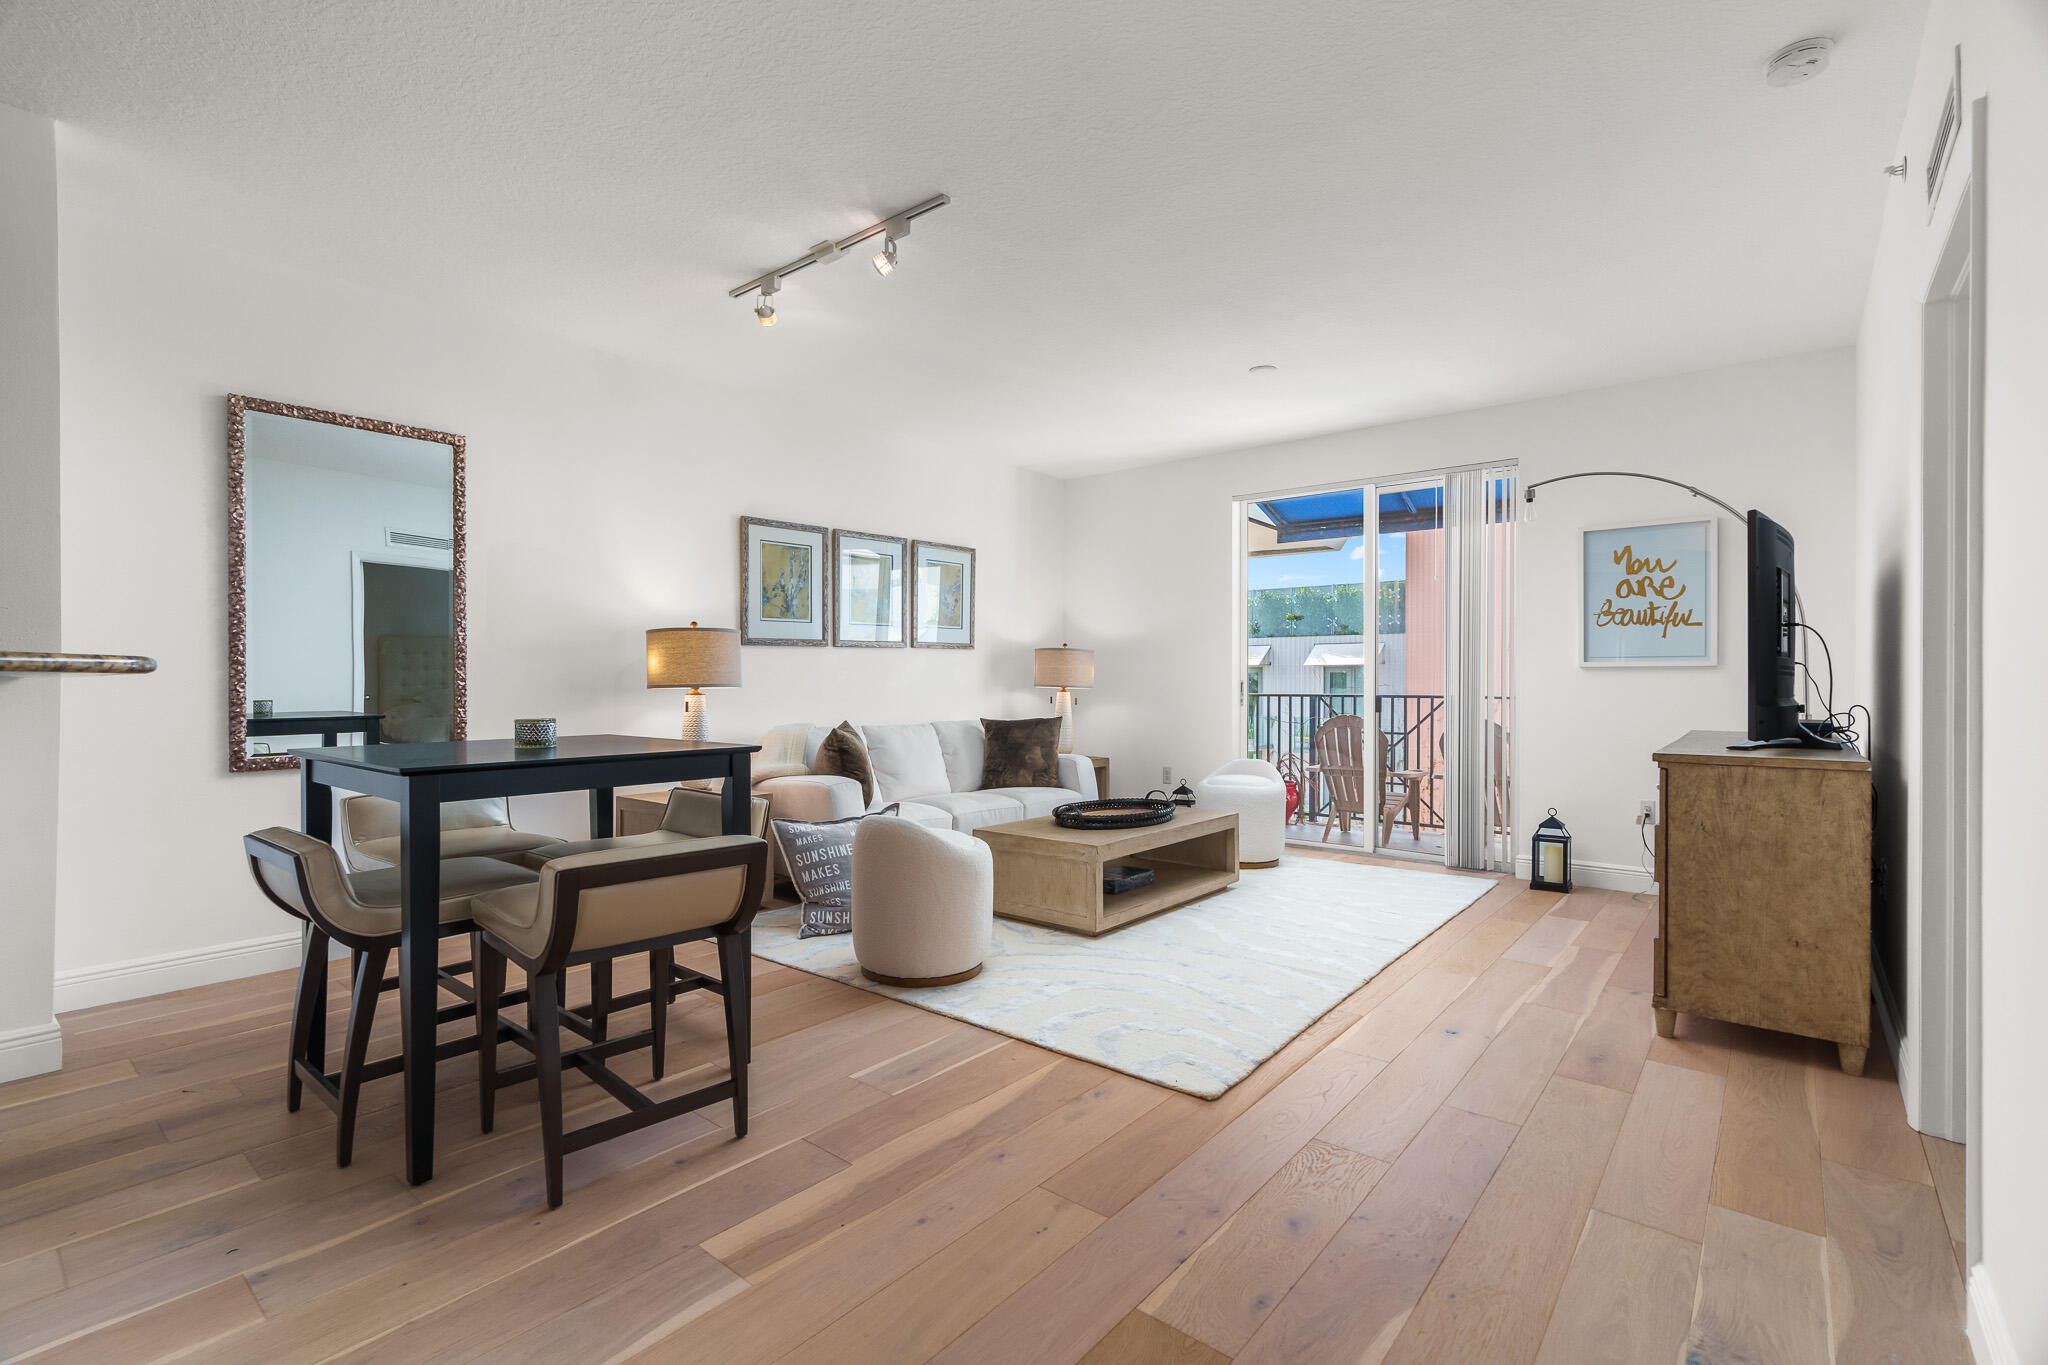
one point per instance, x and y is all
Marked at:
(971, 810)
(1036, 801)
(907, 762)
(917, 813)
(845, 754)
(1021, 753)
(962, 746)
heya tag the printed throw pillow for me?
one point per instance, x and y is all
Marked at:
(1021, 753)
(845, 754)
(819, 859)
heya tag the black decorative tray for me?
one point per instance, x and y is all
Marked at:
(1122, 813)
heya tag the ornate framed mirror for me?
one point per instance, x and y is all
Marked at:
(346, 583)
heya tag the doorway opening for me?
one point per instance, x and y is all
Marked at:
(1375, 668)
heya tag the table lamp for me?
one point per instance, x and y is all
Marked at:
(1063, 669)
(695, 657)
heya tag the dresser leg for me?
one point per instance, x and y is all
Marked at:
(1667, 1022)
(1852, 1058)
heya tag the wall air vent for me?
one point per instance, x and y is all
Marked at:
(396, 540)
(1945, 130)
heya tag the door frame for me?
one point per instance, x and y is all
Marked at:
(1941, 1046)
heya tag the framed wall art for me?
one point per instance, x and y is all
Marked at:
(942, 593)
(785, 582)
(1646, 596)
(873, 576)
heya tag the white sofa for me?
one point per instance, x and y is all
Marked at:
(933, 769)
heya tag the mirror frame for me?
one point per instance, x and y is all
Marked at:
(240, 760)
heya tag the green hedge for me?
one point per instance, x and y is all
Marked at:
(1329, 609)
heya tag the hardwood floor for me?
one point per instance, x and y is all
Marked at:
(1483, 1155)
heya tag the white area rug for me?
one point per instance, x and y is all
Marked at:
(1194, 998)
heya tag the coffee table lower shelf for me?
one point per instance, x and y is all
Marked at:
(1053, 876)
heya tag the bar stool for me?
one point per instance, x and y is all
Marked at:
(593, 907)
(302, 876)
(690, 815)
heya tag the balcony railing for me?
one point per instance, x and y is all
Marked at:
(1283, 726)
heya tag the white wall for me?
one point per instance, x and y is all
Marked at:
(2004, 59)
(1777, 434)
(29, 602)
(603, 499)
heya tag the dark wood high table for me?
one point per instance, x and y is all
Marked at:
(329, 725)
(420, 777)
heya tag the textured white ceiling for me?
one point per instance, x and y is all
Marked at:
(1410, 208)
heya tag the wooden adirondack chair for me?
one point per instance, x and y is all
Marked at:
(1340, 768)
(1400, 793)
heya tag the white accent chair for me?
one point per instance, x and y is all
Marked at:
(1253, 788)
(923, 903)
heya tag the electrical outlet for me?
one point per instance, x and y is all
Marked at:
(1166, 772)
(1646, 812)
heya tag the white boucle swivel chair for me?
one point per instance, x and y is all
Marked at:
(1253, 788)
(923, 903)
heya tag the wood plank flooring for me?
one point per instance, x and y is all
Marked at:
(1483, 1155)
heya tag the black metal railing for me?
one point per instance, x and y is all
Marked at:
(1282, 731)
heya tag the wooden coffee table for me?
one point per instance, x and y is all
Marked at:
(1046, 874)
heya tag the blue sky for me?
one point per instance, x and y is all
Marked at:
(1330, 566)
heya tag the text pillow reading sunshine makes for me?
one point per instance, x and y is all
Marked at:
(819, 858)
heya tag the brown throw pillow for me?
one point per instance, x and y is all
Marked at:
(845, 754)
(1021, 753)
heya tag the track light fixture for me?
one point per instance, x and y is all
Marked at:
(891, 230)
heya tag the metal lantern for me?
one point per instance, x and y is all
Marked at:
(1550, 856)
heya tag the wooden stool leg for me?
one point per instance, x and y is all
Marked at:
(600, 996)
(734, 952)
(310, 1000)
(547, 1039)
(362, 1011)
(489, 968)
(661, 977)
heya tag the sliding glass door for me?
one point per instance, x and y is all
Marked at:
(1375, 653)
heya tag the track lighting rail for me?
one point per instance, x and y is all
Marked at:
(894, 226)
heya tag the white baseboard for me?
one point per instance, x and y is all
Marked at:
(32, 1051)
(1905, 1062)
(1628, 877)
(1990, 1338)
(83, 987)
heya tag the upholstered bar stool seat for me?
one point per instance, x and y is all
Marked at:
(359, 910)
(1254, 789)
(592, 907)
(469, 829)
(923, 903)
(690, 814)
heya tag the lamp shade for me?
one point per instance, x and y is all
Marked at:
(1063, 667)
(693, 656)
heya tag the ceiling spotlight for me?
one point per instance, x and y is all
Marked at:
(765, 309)
(885, 259)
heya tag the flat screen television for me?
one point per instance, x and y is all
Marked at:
(1774, 720)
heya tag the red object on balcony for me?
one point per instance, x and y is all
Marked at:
(1293, 799)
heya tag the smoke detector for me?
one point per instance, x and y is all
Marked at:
(1800, 61)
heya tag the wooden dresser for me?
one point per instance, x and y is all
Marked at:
(1763, 877)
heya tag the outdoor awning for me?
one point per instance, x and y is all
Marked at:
(1260, 656)
(1335, 656)
(1340, 514)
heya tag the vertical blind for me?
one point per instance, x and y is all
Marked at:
(1479, 519)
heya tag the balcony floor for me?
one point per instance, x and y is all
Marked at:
(1428, 843)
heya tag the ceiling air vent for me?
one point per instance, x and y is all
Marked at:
(1946, 129)
(415, 540)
